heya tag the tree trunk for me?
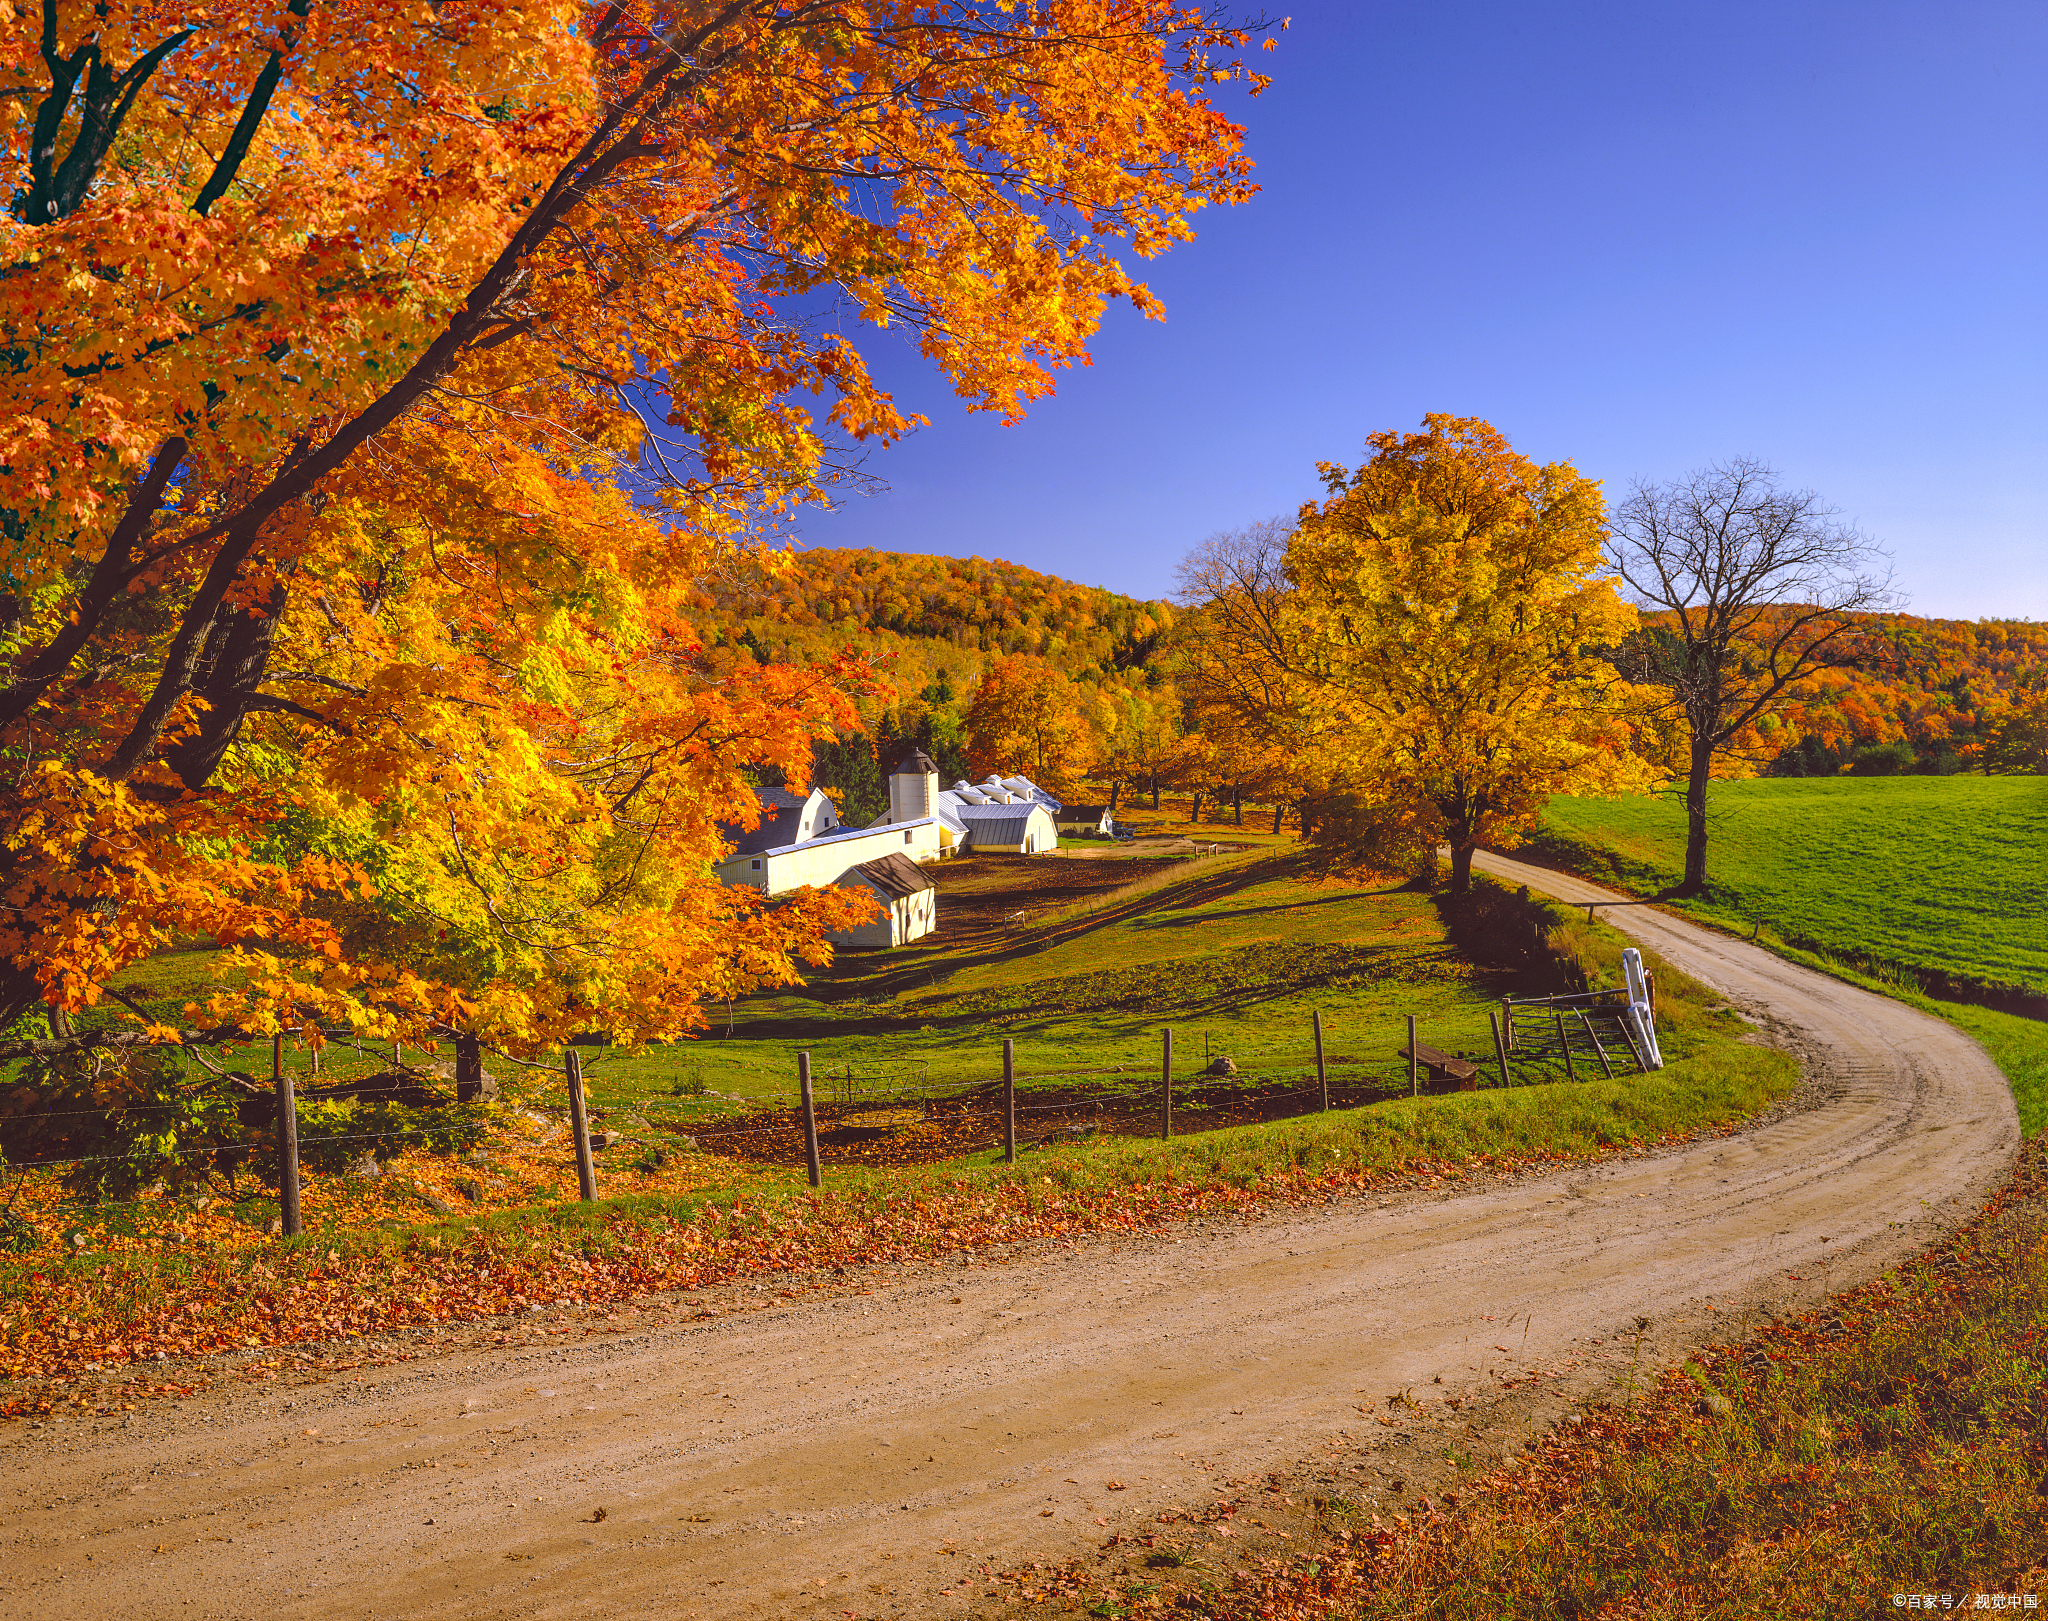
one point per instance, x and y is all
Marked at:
(1696, 817)
(1237, 806)
(230, 669)
(1115, 788)
(1461, 867)
(1279, 810)
(472, 1082)
(1195, 810)
(1155, 790)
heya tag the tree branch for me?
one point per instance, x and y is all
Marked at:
(258, 104)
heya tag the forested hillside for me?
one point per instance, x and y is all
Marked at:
(1934, 686)
(935, 614)
(1919, 694)
(931, 628)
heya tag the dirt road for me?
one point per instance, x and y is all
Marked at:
(871, 1455)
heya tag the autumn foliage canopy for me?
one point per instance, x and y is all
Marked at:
(384, 382)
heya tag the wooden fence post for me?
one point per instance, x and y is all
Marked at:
(579, 1125)
(469, 1068)
(1500, 1045)
(1565, 1044)
(1414, 1072)
(1166, 1083)
(1322, 1072)
(287, 1140)
(1507, 1021)
(1009, 1101)
(803, 1087)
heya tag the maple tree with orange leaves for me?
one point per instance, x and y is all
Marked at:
(383, 383)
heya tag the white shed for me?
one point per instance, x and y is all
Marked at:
(909, 900)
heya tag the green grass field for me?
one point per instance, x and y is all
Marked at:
(1236, 957)
(1941, 874)
(1880, 880)
(1236, 954)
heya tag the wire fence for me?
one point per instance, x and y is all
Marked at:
(898, 1111)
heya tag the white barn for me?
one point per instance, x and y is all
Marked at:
(1085, 821)
(1004, 815)
(1014, 829)
(910, 902)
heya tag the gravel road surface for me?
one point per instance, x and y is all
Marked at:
(873, 1454)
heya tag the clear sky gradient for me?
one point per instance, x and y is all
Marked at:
(1636, 236)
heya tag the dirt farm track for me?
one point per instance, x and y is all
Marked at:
(880, 1453)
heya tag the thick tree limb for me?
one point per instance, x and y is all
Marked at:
(253, 109)
(612, 143)
(109, 574)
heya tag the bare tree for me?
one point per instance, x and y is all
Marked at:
(1236, 649)
(1751, 587)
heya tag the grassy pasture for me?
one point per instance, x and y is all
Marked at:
(1235, 953)
(1892, 1443)
(1879, 880)
(1946, 875)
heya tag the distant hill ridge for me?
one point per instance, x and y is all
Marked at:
(1927, 683)
(964, 610)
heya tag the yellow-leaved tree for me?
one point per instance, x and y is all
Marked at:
(1432, 646)
(383, 382)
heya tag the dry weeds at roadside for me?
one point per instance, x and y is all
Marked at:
(1894, 1441)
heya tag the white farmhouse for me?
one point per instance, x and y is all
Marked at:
(801, 842)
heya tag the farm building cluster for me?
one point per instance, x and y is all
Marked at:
(800, 841)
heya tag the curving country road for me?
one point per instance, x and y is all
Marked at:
(865, 1455)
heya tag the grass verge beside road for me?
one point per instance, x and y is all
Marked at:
(1892, 1444)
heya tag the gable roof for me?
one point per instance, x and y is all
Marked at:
(781, 811)
(895, 875)
(1082, 813)
(998, 824)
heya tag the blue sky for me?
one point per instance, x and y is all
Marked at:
(1638, 237)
